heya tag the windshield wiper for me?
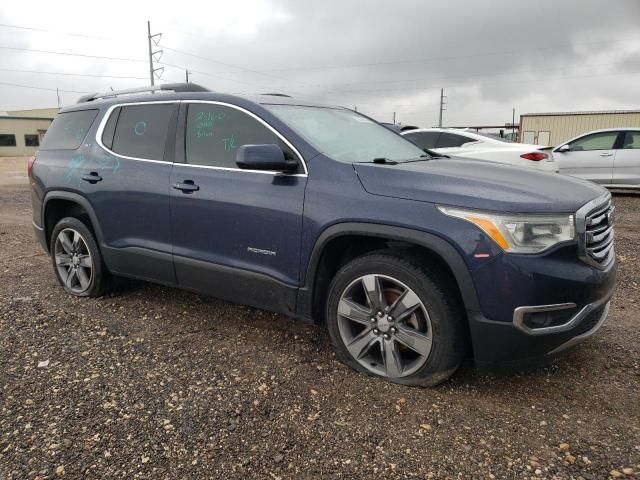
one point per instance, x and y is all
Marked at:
(384, 161)
(433, 154)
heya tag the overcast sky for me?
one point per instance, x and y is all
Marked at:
(379, 55)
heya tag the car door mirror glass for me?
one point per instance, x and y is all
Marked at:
(268, 157)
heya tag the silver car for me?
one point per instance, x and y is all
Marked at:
(609, 157)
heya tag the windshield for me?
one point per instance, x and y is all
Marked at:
(346, 136)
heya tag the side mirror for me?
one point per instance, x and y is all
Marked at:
(264, 157)
(564, 148)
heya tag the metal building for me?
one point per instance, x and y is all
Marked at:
(21, 131)
(555, 128)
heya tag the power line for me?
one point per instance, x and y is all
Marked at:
(244, 69)
(206, 74)
(58, 32)
(72, 54)
(40, 88)
(72, 74)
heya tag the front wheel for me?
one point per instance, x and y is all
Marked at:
(389, 316)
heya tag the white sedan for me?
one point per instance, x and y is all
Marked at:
(465, 144)
(609, 157)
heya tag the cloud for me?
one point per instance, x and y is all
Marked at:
(382, 56)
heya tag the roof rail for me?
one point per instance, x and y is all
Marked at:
(277, 95)
(171, 87)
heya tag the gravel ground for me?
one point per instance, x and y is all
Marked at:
(156, 383)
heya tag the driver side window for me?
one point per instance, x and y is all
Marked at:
(596, 141)
(214, 133)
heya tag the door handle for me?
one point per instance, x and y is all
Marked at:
(188, 186)
(92, 177)
(606, 154)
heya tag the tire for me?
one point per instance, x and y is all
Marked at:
(392, 341)
(77, 261)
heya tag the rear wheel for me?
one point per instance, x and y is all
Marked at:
(76, 259)
(389, 316)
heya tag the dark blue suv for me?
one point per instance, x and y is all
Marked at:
(412, 260)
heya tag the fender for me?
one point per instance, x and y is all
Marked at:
(436, 244)
(80, 200)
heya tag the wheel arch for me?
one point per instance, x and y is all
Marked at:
(60, 204)
(348, 240)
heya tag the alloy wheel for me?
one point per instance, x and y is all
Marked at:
(384, 326)
(73, 260)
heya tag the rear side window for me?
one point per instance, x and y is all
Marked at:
(141, 131)
(68, 130)
(214, 133)
(631, 141)
(451, 140)
(424, 139)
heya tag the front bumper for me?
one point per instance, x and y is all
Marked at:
(499, 346)
(512, 286)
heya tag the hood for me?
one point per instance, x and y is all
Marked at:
(477, 184)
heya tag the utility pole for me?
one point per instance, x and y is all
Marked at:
(150, 39)
(443, 104)
(394, 118)
(186, 75)
(58, 96)
(513, 122)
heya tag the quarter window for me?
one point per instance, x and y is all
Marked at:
(141, 131)
(68, 130)
(424, 139)
(7, 140)
(31, 140)
(214, 133)
(596, 141)
(451, 140)
(631, 141)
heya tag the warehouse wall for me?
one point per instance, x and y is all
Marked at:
(35, 112)
(564, 127)
(21, 127)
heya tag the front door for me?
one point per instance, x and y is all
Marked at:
(590, 157)
(236, 233)
(626, 166)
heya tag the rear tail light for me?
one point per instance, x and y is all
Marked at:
(30, 164)
(535, 156)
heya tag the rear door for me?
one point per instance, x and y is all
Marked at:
(236, 233)
(626, 165)
(126, 179)
(590, 157)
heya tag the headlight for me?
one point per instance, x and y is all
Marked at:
(519, 233)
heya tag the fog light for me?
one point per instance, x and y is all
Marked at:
(551, 318)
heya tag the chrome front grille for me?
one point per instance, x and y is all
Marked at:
(594, 224)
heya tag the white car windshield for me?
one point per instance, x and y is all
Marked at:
(345, 135)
